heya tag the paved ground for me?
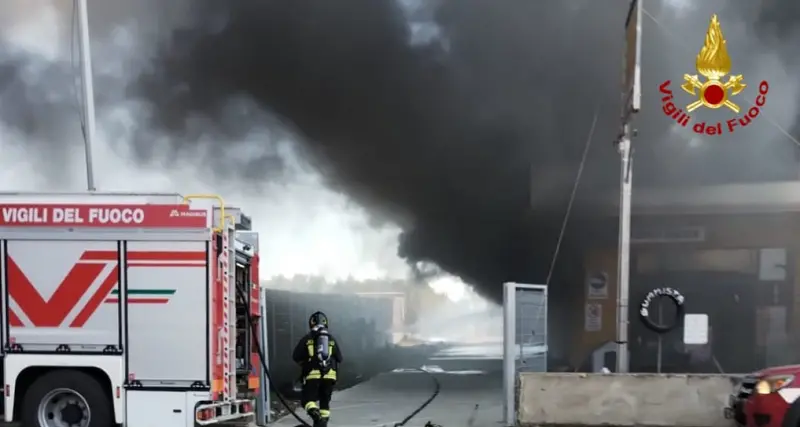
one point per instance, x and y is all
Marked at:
(471, 393)
(470, 396)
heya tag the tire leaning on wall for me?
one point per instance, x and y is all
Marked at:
(644, 309)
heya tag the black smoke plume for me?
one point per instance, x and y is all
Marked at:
(462, 120)
(444, 134)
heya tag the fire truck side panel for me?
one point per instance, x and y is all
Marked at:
(167, 319)
(164, 408)
(111, 366)
(59, 294)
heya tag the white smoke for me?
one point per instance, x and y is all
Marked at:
(305, 228)
(423, 28)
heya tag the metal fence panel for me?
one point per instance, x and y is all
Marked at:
(360, 324)
(524, 337)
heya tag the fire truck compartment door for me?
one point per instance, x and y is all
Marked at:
(167, 301)
(62, 293)
(158, 408)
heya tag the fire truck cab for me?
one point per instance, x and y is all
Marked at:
(127, 309)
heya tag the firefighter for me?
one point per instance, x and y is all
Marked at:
(319, 355)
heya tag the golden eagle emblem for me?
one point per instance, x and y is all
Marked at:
(713, 63)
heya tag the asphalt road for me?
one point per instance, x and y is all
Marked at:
(470, 394)
(470, 378)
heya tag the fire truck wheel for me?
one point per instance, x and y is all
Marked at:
(67, 397)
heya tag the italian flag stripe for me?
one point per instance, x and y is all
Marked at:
(142, 296)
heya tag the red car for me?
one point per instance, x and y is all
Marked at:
(767, 398)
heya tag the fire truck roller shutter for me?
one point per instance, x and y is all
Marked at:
(167, 283)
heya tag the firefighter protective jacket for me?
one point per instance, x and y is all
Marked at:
(305, 355)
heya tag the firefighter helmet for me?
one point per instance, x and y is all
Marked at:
(318, 319)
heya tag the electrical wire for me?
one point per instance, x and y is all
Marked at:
(254, 331)
(572, 199)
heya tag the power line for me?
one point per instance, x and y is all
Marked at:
(572, 199)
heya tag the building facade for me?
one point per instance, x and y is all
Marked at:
(731, 250)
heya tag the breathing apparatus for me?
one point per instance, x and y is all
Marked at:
(318, 323)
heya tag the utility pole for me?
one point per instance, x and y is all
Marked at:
(88, 91)
(631, 97)
(624, 248)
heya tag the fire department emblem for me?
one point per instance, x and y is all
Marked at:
(714, 64)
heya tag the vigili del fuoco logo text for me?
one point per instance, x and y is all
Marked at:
(714, 64)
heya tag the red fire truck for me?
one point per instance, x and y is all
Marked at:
(127, 309)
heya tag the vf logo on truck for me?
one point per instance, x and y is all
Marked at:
(713, 63)
(53, 311)
(92, 267)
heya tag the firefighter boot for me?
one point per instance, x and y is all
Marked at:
(315, 416)
(326, 415)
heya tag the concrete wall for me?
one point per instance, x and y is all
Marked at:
(572, 399)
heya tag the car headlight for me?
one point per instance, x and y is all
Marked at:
(772, 384)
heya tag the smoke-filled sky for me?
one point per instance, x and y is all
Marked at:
(445, 131)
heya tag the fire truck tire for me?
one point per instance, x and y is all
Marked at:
(43, 395)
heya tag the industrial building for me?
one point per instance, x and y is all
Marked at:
(731, 250)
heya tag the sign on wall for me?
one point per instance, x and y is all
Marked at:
(597, 286)
(593, 321)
